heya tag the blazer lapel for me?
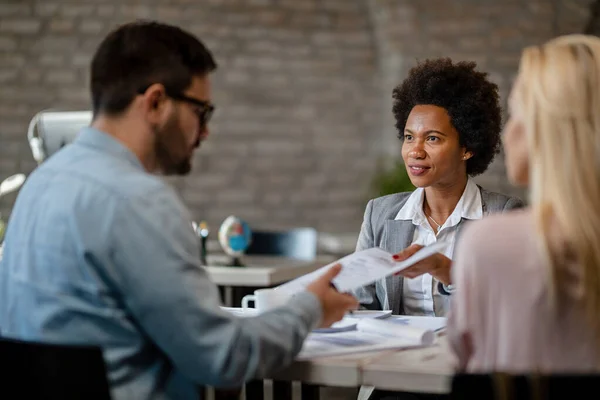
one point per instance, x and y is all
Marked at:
(484, 201)
(459, 229)
(464, 221)
(398, 235)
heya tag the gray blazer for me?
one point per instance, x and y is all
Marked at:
(379, 229)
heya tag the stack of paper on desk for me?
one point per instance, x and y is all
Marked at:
(348, 323)
(373, 335)
(363, 268)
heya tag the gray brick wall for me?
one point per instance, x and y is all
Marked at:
(303, 89)
(490, 32)
(593, 25)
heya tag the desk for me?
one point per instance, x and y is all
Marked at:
(258, 272)
(340, 371)
(261, 271)
(344, 371)
(425, 370)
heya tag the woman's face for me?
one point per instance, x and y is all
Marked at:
(515, 142)
(431, 149)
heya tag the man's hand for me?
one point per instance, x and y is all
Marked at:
(333, 303)
(438, 265)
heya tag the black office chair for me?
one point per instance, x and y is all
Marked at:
(32, 370)
(499, 386)
(298, 243)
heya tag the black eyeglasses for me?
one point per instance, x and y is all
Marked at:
(204, 109)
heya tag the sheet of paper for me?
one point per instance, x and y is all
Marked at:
(324, 345)
(370, 314)
(387, 328)
(434, 324)
(345, 324)
(348, 323)
(362, 268)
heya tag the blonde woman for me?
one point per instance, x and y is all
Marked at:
(529, 297)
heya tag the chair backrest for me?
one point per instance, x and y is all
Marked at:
(49, 131)
(499, 386)
(38, 370)
(299, 243)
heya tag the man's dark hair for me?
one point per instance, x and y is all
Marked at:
(139, 54)
(471, 100)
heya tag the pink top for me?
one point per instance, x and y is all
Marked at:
(500, 318)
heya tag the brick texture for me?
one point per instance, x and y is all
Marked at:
(593, 26)
(486, 31)
(303, 89)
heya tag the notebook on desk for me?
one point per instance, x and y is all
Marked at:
(374, 335)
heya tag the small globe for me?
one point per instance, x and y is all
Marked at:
(235, 236)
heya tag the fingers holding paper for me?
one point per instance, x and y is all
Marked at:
(333, 303)
(438, 265)
(407, 252)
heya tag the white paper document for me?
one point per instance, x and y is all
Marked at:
(435, 324)
(348, 323)
(363, 268)
(369, 335)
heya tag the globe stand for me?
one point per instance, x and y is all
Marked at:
(237, 262)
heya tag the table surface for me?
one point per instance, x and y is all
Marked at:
(426, 370)
(261, 270)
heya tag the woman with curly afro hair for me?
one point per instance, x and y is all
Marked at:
(449, 122)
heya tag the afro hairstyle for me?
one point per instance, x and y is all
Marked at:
(471, 100)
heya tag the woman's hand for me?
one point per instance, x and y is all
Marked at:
(438, 265)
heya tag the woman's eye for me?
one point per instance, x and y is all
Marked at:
(433, 139)
(407, 137)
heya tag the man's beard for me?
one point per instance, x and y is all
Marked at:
(169, 138)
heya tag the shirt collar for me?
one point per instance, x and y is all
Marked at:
(92, 137)
(413, 208)
(469, 206)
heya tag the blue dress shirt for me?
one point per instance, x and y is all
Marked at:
(98, 251)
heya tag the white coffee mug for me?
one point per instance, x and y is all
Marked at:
(266, 299)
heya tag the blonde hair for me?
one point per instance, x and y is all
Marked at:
(559, 92)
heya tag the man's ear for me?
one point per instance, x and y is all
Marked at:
(155, 101)
(467, 155)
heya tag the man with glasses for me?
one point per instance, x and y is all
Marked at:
(99, 250)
